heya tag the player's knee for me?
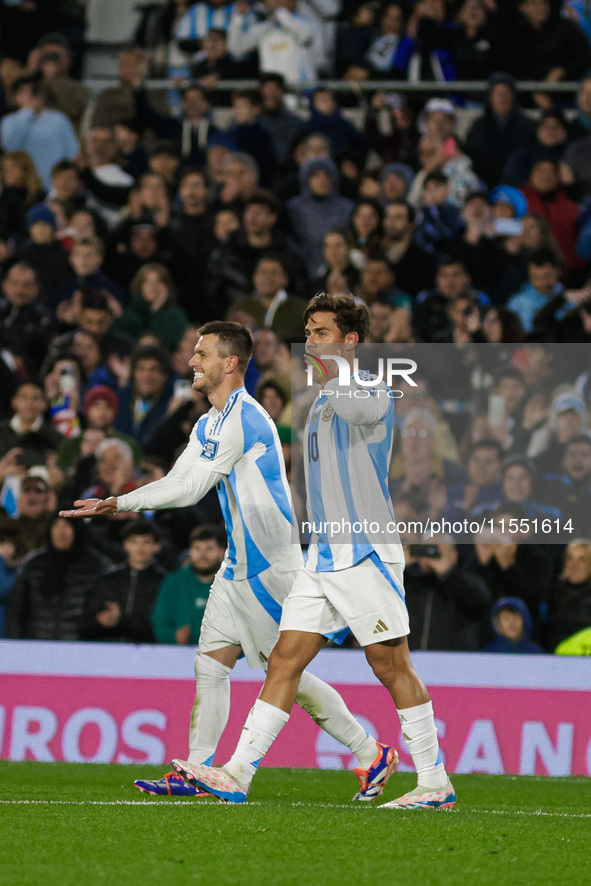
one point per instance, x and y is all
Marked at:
(284, 662)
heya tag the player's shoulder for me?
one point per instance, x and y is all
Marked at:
(256, 422)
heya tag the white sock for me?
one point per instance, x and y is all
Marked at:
(329, 711)
(211, 708)
(263, 725)
(420, 734)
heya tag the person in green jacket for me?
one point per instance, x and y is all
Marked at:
(270, 306)
(153, 307)
(180, 604)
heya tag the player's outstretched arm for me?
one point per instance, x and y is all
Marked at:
(92, 507)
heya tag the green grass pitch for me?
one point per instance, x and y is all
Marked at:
(67, 824)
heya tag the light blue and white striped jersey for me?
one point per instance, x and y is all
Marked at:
(241, 442)
(201, 18)
(347, 448)
(237, 450)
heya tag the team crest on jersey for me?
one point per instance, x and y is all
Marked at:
(327, 413)
(210, 448)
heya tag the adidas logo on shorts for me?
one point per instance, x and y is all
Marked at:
(380, 627)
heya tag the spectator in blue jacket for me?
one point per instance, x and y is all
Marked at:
(512, 625)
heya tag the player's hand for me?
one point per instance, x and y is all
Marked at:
(92, 507)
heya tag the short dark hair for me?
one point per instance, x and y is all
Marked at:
(445, 260)
(140, 527)
(194, 85)
(578, 438)
(545, 256)
(509, 372)
(350, 316)
(191, 170)
(261, 197)
(410, 210)
(33, 81)
(234, 340)
(151, 352)
(64, 166)
(219, 31)
(164, 148)
(272, 256)
(270, 383)
(209, 532)
(487, 443)
(93, 299)
(438, 177)
(254, 96)
(273, 77)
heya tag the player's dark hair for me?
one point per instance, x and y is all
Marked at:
(234, 340)
(349, 315)
(209, 532)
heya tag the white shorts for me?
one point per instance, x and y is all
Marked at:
(368, 598)
(246, 613)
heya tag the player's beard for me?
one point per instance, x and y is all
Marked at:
(210, 381)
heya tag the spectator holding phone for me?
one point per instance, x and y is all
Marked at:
(446, 604)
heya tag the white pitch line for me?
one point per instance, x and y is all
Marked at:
(188, 804)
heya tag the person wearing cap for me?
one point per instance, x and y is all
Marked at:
(568, 417)
(44, 251)
(438, 119)
(101, 405)
(35, 505)
(501, 129)
(48, 136)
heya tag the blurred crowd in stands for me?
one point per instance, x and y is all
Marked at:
(130, 215)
